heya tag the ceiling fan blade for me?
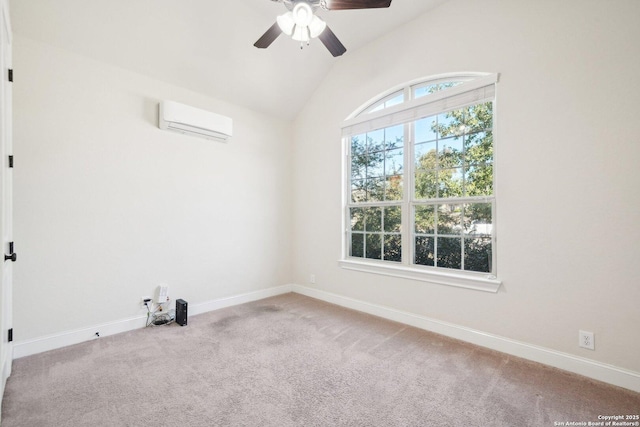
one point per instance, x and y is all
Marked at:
(357, 4)
(268, 37)
(331, 42)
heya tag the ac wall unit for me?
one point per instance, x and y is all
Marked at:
(193, 121)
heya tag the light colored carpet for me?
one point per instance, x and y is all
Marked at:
(295, 361)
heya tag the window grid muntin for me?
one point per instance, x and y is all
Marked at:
(465, 165)
(380, 231)
(390, 181)
(462, 236)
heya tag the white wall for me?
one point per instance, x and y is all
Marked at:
(568, 143)
(108, 206)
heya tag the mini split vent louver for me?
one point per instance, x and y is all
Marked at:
(193, 121)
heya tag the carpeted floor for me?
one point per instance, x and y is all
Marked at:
(295, 361)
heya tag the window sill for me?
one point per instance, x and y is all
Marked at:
(479, 282)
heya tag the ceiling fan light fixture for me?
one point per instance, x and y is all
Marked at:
(301, 24)
(302, 14)
(301, 34)
(286, 23)
(316, 27)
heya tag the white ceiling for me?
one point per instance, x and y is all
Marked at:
(207, 45)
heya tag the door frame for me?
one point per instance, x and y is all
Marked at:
(6, 189)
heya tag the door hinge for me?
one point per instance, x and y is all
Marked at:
(10, 161)
(10, 337)
(12, 255)
(10, 74)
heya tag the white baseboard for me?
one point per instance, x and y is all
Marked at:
(589, 368)
(219, 303)
(63, 339)
(579, 365)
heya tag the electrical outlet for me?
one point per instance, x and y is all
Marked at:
(586, 340)
(312, 279)
(146, 298)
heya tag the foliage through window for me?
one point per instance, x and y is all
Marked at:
(420, 178)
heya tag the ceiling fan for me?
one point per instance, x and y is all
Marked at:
(302, 24)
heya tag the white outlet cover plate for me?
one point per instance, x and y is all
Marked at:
(586, 340)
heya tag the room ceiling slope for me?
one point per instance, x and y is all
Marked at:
(207, 45)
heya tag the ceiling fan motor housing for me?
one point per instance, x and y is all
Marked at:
(290, 4)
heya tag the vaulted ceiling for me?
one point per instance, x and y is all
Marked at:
(207, 45)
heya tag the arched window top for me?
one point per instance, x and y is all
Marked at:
(420, 98)
(386, 102)
(429, 88)
(414, 89)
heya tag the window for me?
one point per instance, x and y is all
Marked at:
(419, 187)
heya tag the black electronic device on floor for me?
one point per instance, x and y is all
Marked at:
(181, 312)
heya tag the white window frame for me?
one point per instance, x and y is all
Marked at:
(477, 87)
